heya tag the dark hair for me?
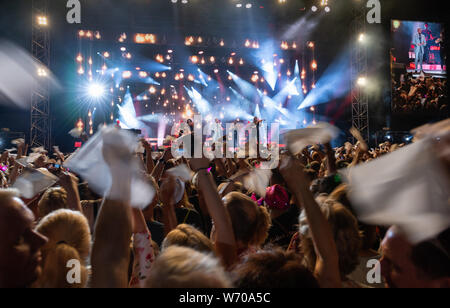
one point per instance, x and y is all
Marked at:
(311, 174)
(433, 256)
(86, 193)
(315, 165)
(274, 268)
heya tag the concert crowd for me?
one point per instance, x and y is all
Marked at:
(420, 95)
(212, 230)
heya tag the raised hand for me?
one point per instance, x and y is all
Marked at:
(197, 164)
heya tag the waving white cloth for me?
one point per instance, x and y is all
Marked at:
(299, 139)
(408, 188)
(33, 181)
(89, 163)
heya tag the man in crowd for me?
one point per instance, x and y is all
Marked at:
(419, 42)
(20, 255)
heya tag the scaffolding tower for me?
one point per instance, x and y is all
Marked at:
(360, 98)
(40, 128)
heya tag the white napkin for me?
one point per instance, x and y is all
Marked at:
(18, 141)
(75, 133)
(89, 163)
(182, 172)
(357, 135)
(25, 161)
(258, 180)
(33, 181)
(408, 188)
(299, 139)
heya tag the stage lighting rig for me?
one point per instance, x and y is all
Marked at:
(42, 20)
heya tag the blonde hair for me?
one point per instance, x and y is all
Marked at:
(182, 267)
(69, 238)
(54, 198)
(187, 236)
(250, 222)
(346, 234)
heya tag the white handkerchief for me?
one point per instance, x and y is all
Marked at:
(33, 181)
(89, 163)
(18, 141)
(408, 188)
(182, 172)
(357, 135)
(258, 180)
(25, 161)
(75, 133)
(38, 150)
(299, 139)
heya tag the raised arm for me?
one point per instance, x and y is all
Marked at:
(144, 255)
(159, 168)
(15, 170)
(70, 183)
(218, 213)
(167, 191)
(150, 165)
(331, 159)
(111, 250)
(327, 263)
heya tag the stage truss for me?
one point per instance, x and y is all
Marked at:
(360, 99)
(40, 127)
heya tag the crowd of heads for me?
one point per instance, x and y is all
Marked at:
(420, 95)
(274, 235)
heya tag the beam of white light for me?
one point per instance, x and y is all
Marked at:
(270, 75)
(202, 104)
(247, 89)
(242, 101)
(202, 77)
(304, 26)
(289, 89)
(298, 81)
(334, 83)
(127, 113)
(257, 112)
(264, 56)
(152, 118)
(161, 132)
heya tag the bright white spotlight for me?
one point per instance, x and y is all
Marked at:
(314, 8)
(362, 81)
(248, 6)
(42, 20)
(42, 72)
(327, 9)
(96, 90)
(361, 38)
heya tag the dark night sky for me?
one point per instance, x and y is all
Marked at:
(203, 17)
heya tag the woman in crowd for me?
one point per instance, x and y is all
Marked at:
(69, 243)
